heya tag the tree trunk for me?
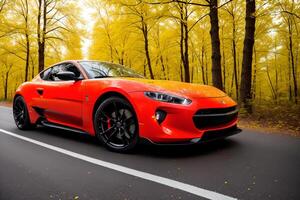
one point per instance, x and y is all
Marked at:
(234, 54)
(289, 79)
(276, 74)
(32, 68)
(6, 81)
(184, 41)
(235, 65)
(27, 57)
(223, 61)
(27, 41)
(273, 92)
(6, 85)
(186, 64)
(206, 67)
(41, 57)
(245, 89)
(181, 46)
(160, 56)
(202, 64)
(291, 52)
(254, 74)
(231, 86)
(193, 72)
(163, 66)
(167, 69)
(215, 40)
(181, 73)
(40, 60)
(144, 70)
(42, 11)
(146, 45)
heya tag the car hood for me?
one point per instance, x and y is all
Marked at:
(179, 88)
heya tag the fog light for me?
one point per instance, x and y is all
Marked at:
(160, 116)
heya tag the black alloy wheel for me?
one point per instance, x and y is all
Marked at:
(116, 124)
(20, 113)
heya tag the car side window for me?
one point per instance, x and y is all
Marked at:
(45, 74)
(72, 68)
(56, 69)
(65, 67)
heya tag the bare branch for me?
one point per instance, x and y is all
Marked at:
(54, 37)
(293, 14)
(177, 1)
(203, 16)
(13, 53)
(2, 4)
(56, 28)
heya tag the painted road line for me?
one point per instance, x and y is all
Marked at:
(140, 174)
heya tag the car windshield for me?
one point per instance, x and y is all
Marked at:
(96, 69)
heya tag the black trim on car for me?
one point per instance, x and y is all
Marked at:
(62, 127)
(210, 118)
(208, 136)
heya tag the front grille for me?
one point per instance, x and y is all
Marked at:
(216, 110)
(207, 118)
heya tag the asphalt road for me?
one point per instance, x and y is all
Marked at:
(245, 166)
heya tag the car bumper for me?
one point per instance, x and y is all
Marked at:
(208, 136)
(179, 125)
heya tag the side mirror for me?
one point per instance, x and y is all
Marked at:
(66, 76)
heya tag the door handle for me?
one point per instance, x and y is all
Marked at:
(40, 91)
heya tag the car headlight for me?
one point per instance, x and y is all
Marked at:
(168, 98)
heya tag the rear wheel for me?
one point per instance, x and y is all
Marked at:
(116, 124)
(20, 113)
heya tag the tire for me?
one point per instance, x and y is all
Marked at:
(116, 125)
(21, 115)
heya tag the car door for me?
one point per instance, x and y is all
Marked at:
(63, 99)
(37, 100)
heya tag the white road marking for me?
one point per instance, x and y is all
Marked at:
(143, 175)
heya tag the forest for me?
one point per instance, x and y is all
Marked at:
(248, 48)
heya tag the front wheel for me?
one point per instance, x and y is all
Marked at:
(116, 124)
(20, 113)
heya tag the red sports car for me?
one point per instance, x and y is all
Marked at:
(121, 107)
